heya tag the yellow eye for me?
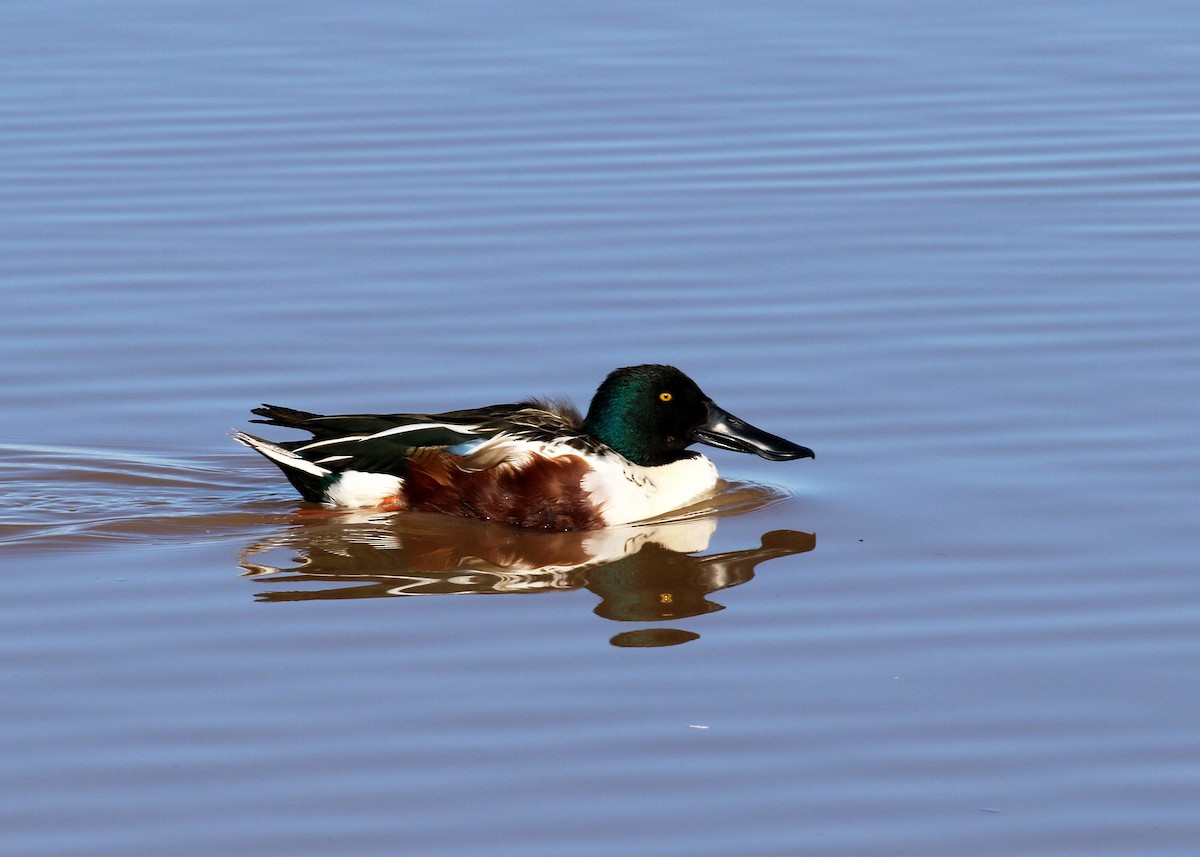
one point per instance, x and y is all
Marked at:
(665, 397)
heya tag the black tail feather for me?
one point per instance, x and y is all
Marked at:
(311, 488)
(278, 415)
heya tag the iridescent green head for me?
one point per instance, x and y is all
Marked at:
(652, 413)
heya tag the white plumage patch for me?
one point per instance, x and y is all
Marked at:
(626, 492)
(355, 489)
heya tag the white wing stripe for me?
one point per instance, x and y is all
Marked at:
(420, 427)
(315, 444)
(387, 433)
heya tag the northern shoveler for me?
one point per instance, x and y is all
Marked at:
(532, 464)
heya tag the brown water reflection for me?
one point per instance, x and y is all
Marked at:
(646, 573)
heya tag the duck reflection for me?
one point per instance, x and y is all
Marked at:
(645, 573)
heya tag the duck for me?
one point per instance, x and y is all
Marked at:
(535, 464)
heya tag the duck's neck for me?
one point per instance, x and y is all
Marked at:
(620, 431)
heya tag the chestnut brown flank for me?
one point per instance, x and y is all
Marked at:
(545, 494)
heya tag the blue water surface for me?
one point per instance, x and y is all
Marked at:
(951, 247)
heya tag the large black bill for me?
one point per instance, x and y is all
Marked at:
(724, 430)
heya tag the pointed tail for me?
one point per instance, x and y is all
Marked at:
(308, 478)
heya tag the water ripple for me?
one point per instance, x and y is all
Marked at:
(69, 497)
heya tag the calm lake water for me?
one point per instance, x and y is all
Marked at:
(952, 247)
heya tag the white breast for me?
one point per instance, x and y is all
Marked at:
(626, 492)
